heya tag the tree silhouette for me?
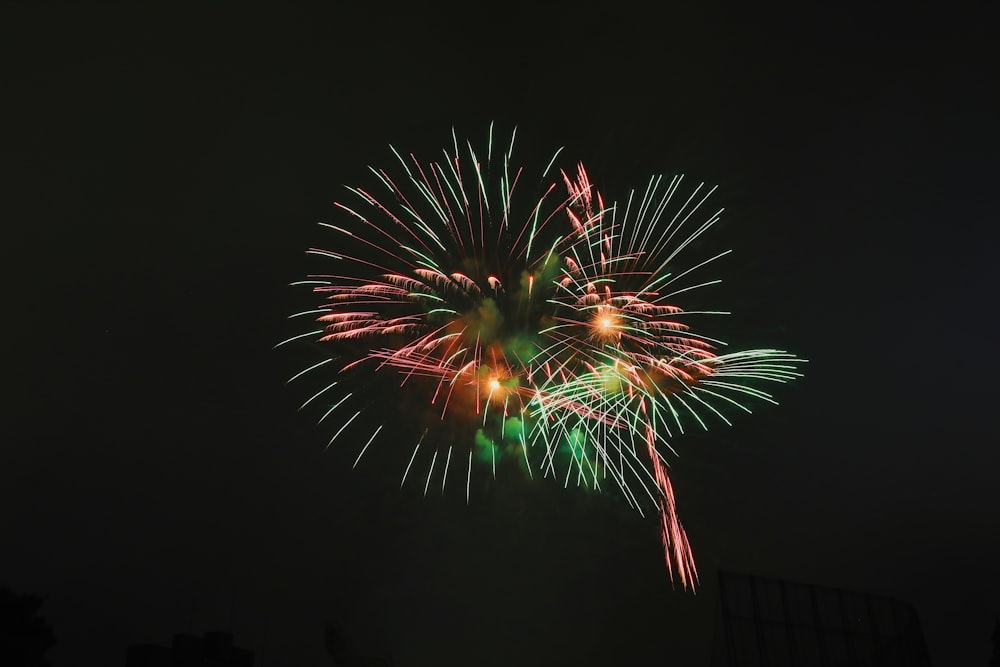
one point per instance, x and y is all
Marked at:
(333, 642)
(24, 635)
(995, 660)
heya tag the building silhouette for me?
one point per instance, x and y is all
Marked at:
(340, 656)
(773, 623)
(214, 649)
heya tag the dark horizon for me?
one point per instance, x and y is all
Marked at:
(165, 173)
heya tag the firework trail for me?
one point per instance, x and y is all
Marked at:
(517, 316)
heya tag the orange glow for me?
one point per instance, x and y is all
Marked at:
(606, 324)
(496, 392)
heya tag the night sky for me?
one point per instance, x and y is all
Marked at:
(164, 172)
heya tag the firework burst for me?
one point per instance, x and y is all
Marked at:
(516, 315)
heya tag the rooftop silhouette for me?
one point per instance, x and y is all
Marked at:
(213, 649)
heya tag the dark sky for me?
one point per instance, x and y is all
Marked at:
(163, 173)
